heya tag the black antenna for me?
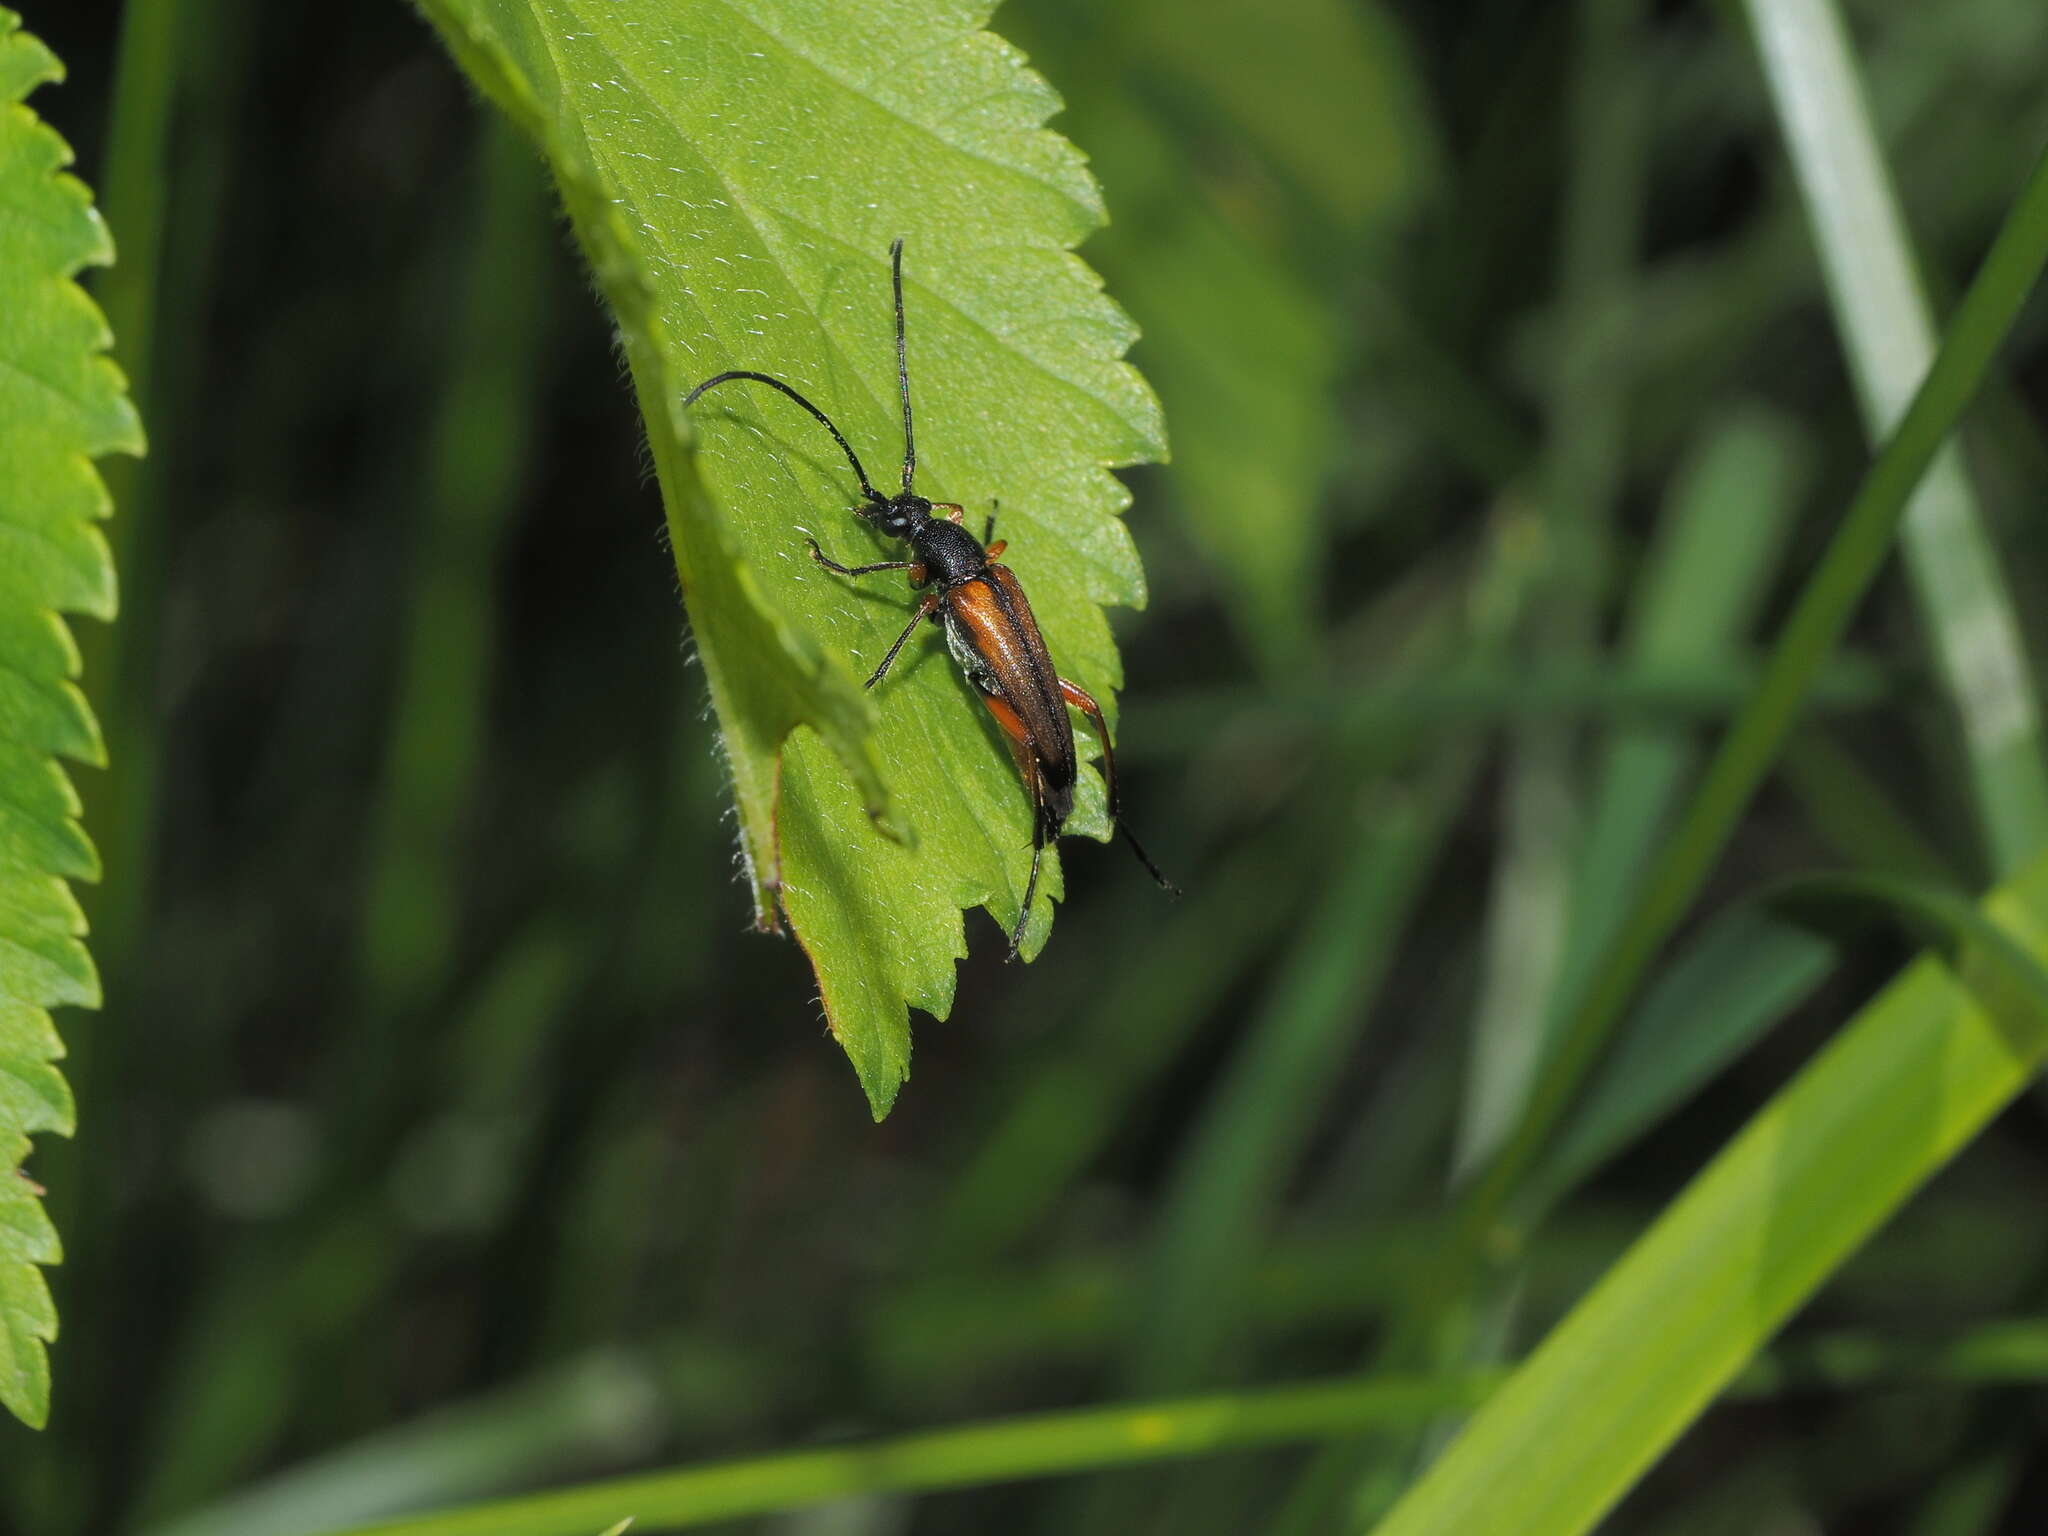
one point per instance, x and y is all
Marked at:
(826, 421)
(902, 364)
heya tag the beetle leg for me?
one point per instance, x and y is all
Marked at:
(1084, 702)
(1017, 737)
(925, 610)
(988, 530)
(995, 550)
(1030, 890)
(1027, 764)
(820, 556)
(954, 511)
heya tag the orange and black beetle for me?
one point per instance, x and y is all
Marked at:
(988, 624)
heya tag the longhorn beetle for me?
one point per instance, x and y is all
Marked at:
(988, 624)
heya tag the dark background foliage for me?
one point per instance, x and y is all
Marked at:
(439, 1074)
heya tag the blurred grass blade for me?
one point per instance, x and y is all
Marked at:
(725, 233)
(1527, 914)
(1236, 135)
(1971, 1500)
(1903, 1087)
(922, 1339)
(606, 1398)
(1882, 313)
(144, 169)
(1856, 815)
(1578, 487)
(1216, 1217)
(62, 405)
(1709, 1004)
(1058, 1120)
(1815, 627)
(476, 462)
(580, 1416)
(1708, 571)
(1038, 1445)
(1220, 1210)
(147, 168)
(1462, 696)
(1713, 557)
(1248, 355)
(1711, 564)
(1935, 916)
(473, 1439)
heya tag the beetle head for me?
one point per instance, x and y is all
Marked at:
(899, 515)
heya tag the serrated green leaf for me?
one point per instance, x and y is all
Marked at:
(735, 174)
(62, 404)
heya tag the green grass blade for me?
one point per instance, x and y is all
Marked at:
(1709, 1004)
(62, 404)
(1229, 1184)
(1709, 568)
(1492, 692)
(1935, 915)
(1707, 573)
(704, 153)
(1036, 1445)
(1903, 1088)
(1881, 310)
(469, 1443)
(1716, 548)
(572, 1418)
(1815, 627)
(1857, 816)
(602, 1397)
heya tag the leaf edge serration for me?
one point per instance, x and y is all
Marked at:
(44, 962)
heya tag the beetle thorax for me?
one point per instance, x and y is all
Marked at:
(949, 552)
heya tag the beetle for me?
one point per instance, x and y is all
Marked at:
(980, 605)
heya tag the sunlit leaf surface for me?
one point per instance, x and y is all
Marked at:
(736, 174)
